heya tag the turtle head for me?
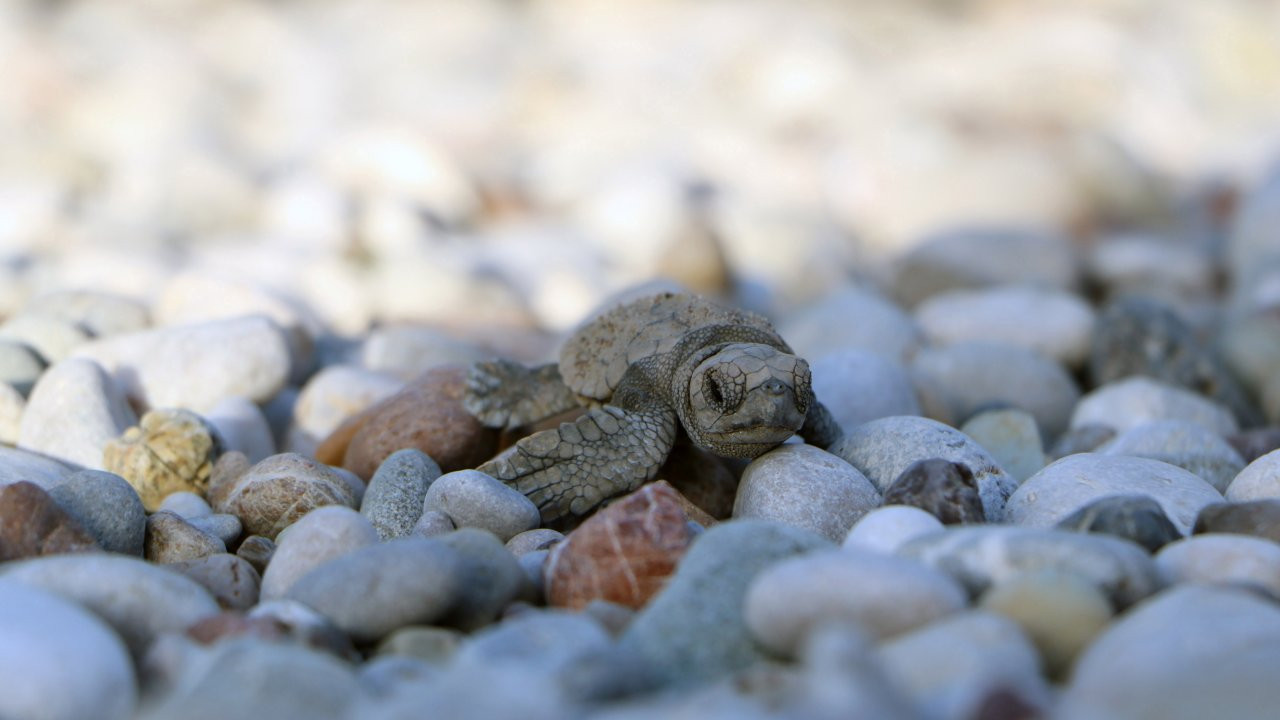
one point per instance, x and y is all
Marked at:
(746, 398)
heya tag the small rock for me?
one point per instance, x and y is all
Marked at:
(240, 425)
(1084, 438)
(881, 594)
(702, 479)
(551, 638)
(1253, 444)
(23, 466)
(231, 580)
(52, 337)
(1259, 480)
(435, 645)
(531, 540)
(432, 523)
(823, 327)
(1214, 559)
(882, 449)
(405, 351)
(1184, 444)
(1250, 343)
(172, 539)
(354, 484)
(12, 405)
(227, 471)
(258, 551)
(614, 618)
(393, 502)
(1137, 264)
(305, 626)
(942, 488)
(107, 507)
(532, 563)
(491, 578)
(226, 528)
(32, 524)
(276, 492)
(623, 554)
(185, 503)
(805, 487)
(1056, 324)
(887, 528)
(1012, 438)
(317, 537)
(1072, 482)
(231, 623)
(74, 411)
(1133, 517)
(473, 499)
(1060, 613)
(861, 385)
(1128, 403)
(100, 313)
(1260, 518)
(330, 397)
(20, 366)
(169, 451)
(42, 633)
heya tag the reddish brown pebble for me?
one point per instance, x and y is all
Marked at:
(230, 624)
(428, 415)
(623, 554)
(32, 524)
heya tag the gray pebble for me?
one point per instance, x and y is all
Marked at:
(172, 539)
(434, 645)
(1188, 445)
(318, 537)
(242, 426)
(1133, 517)
(73, 412)
(531, 540)
(1013, 439)
(859, 385)
(961, 258)
(491, 578)
(823, 327)
(393, 501)
(186, 504)
(107, 506)
(226, 528)
(1260, 518)
(433, 523)
(230, 579)
(258, 551)
(1259, 480)
(805, 487)
(20, 365)
(473, 499)
(1083, 438)
(386, 675)
(886, 528)
(532, 563)
(1222, 559)
(1135, 401)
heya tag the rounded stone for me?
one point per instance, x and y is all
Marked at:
(1060, 613)
(942, 488)
(823, 327)
(433, 523)
(1220, 558)
(32, 524)
(333, 395)
(393, 501)
(107, 507)
(1133, 517)
(168, 451)
(882, 449)
(491, 578)
(276, 492)
(883, 595)
(1260, 518)
(240, 425)
(232, 581)
(100, 313)
(185, 503)
(54, 338)
(473, 499)
(172, 539)
(20, 366)
(887, 528)
(23, 466)
(1072, 482)
(532, 540)
(805, 487)
(406, 351)
(73, 413)
(1259, 480)
(317, 537)
(223, 526)
(860, 385)
(1128, 403)
(12, 405)
(1013, 439)
(40, 633)
(258, 551)
(1188, 445)
(1056, 324)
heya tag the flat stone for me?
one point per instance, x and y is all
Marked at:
(168, 451)
(241, 426)
(1059, 612)
(393, 501)
(331, 396)
(1187, 445)
(1072, 482)
(823, 327)
(1053, 323)
(1222, 559)
(884, 595)
(1013, 439)
(74, 411)
(491, 578)
(859, 385)
(32, 524)
(887, 528)
(805, 487)
(1138, 518)
(230, 579)
(473, 499)
(20, 366)
(1260, 518)
(882, 449)
(172, 539)
(942, 488)
(107, 507)
(1128, 403)
(276, 492)
(1258, 481)
(41, 632)
(317, 537)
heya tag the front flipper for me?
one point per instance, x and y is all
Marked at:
(577, 466)
(820, 426)
(504, 394)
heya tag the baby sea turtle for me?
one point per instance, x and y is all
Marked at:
(646, 368)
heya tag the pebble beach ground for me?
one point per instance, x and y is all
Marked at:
(249, 250)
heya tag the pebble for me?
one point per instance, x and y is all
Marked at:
(1259, 480)
(1083, 438)
(977, 257)
(12, 405)
(942, 488)
(384, 676)
(54, 338)
(226, 528)
(139, 600)
(240, 425)
(952, 668)
(435, 645)
(982, 556)
(168, 451)
(883, 595)
(32, 524)
(276, 492)
(491, 578)
(702, 480)
(331, 396)
(172, 539)
(1053, 323)
(1126, 404)
(432, 523)
(1220, 662)
(534, 540)
(304, 626)
(1220, 558)
(317, 537)
(238, 357)
(40, 635)
(20, 366)
(1260, 518)
(859, 385)
(532, 563)
(1060, 613)
(1072, 482)
(375, 589)
(407, 351)
(823, 328)
(1013, 439)
(22, 466)
(976, 375)
(807, 488)
(1250, 344)
(887, 528)
(473, 499)
(1140, 264)
(188, 504)
(694, 630)
(230, 579)
(622, 554)
(393, 501)
(1185, 444)
(1133, 517)
(107, 507)
(73, 412)
(100, 313)
(258, 551)
(882, 449)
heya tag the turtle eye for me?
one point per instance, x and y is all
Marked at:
(713, 386)
(721, 390)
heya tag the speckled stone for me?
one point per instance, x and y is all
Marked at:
(1260, 518)
(168, 451)
(276, 492)
(107, 507)
(473, 499)
(942, 488)
(805, 487)
(393, 502)
(1133, 517)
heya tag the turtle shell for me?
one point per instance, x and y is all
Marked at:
(597, 355)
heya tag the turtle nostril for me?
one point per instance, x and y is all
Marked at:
(774, 387)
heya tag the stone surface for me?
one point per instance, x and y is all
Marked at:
(32, 524)
(432, 523)
(1056, 324)
(276, 492)
(624, 553)
(240, 425)
(39, 633)
(435, 645)
(187, 504)
(20, 366)
(12, 405)
(704, 481)
(1220, 663)
(317, 537)
(1253, 444)
(393, 501)
(1253, 517)
(858, 385)
(533, 540)
(823, 327)
(694, 631)
(24, 466)
(258, 551)
(1259, 480)
(1187, 445)
(1222, 559)
(491, 578)
(982, 556)
(1059, 612)
(405, 351)
(53, 338)
(73, 412)
(107, 507)
(473, 499)
(1139, 518)
(304, 626)
(1072, 482)
(805, 487)
(330, 397)
(886, 528)
(172, 539)
(238, 357)
(975, 375)
(1013, 439)
(232, 581)
(1128, 403)
(100, 313)
(1083, 438)
(168, 451)
(883, 595)
(942, 488)
(223, 526)
(882, 449)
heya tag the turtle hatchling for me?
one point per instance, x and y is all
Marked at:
(647, 369)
